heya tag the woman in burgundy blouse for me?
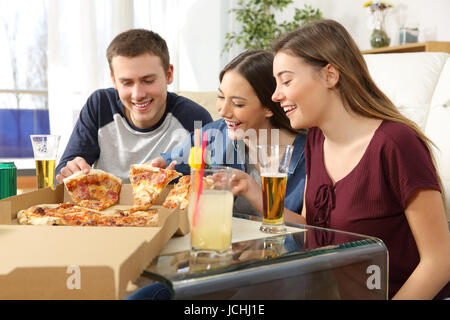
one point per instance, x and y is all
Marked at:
(369, 169)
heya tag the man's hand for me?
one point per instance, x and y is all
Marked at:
(161, 163)
(75, 165)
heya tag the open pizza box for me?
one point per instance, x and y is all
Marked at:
(67, 262)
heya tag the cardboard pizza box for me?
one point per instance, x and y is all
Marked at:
(66, 262)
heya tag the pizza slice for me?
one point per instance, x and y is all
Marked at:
(40, 215)
(69, 214)
(80, 217)
(96, 190)
(148, 182)
(179, 195)
(131, 218)
(57, 214)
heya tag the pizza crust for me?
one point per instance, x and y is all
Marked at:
(144, 166)
(24, 216)
(92, 172)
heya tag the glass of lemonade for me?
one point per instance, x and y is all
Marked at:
(274, 164)
(45, 149)
(211, 220)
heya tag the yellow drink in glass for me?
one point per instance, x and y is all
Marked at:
(212, 230)
(274, 162)
(45, 150)
(45, 171)
(274, 191)
(211, 211)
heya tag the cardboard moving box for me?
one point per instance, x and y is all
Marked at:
(65, 262)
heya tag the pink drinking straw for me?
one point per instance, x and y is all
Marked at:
(200, 183)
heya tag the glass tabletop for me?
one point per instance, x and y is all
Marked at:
(301, 253)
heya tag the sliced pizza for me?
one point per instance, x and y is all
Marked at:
(38, 215)
(132, 218)
(68, 214)
(96, 190)
(80, 217)
(54, 214)
(148, 183)
(179, 195)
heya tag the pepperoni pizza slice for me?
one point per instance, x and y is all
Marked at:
(96, 190)
(179, 195)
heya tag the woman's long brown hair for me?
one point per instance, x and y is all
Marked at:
(327, 42)
(256, 66)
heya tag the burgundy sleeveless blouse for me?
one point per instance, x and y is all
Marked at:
(372, 198)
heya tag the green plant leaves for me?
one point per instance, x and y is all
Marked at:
(259, 26)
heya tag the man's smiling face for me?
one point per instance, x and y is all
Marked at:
(142, 85)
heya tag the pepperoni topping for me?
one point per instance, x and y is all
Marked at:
(81, 192)
(112, 196)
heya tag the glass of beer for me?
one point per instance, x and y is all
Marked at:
(45, 149)
(274, 164)
(211, 211)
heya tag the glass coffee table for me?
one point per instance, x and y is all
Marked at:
(303, 263)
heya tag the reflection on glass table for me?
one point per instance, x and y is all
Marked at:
(304, 263)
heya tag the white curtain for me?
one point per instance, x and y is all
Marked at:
(78, 34)
(80, 31)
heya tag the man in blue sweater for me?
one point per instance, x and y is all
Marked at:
(136, 120)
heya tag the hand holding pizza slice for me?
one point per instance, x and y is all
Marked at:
(148, 182)
(179, 195)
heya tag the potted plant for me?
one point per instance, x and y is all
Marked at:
(259, 26)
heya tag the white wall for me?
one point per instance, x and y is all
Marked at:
(431, 15)
(80, 31)
(78, 35)
(203, 24)
(195, 33)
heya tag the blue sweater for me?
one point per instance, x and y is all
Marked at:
(225, 151)
(105, 138)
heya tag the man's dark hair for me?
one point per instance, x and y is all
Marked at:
(135, 42)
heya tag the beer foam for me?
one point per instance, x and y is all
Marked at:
(274, 175)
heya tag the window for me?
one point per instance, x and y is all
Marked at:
(23, 85)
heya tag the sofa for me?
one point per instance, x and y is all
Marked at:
(418, 83)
